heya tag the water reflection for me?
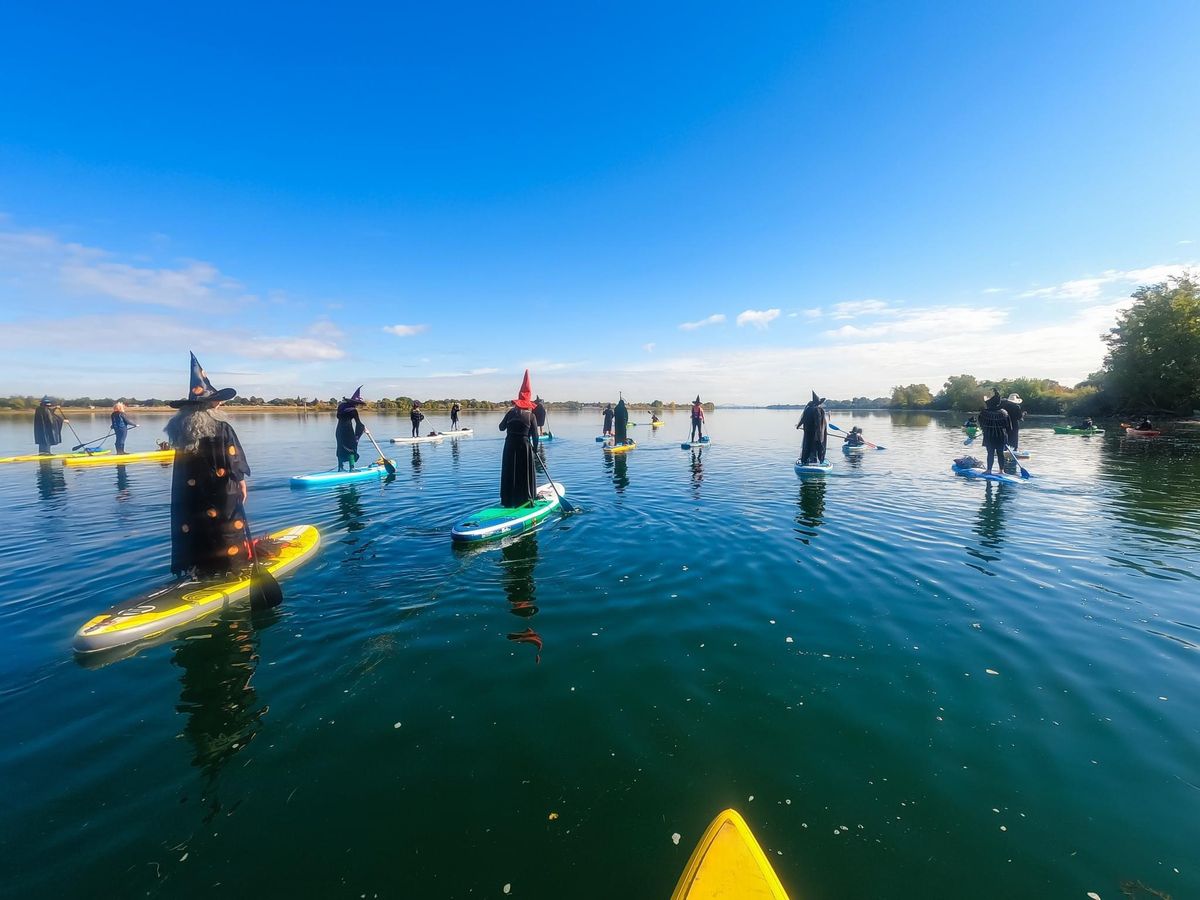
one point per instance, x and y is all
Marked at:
(989, 525)
(812, 509)
(222, 707)
(917, 420)
(416, 459)
(519, 560)
(620, 472)
(122, 483)
(697, 471)
(51, 480)
(350, 508)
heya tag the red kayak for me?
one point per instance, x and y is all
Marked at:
(1134, 432)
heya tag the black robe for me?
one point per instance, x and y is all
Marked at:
(1015, 415)
(349, 429)
(995, 427)
(518, 475)
(622, 422)
(207, 532)
(47, 426)
(815, 422)
(539, 415)
(608, 418)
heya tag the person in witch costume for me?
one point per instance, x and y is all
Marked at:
(208, 485)
(608, 419)
(48, 421)
(815, 422)
(621, 420)
(349, 429)
(539, 415)
(518, 475)
(697, 420)
(454, 411)
(416, 417)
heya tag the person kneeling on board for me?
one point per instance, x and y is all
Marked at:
(993, 421)
(349, 429)
(815, 422)
(518, 475)
(208, 484)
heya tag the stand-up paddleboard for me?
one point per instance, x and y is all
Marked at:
(620, 448)
(657, 424)
(423, 439)
(688, 445)
(38, 457)
(986, 476)
(120, 459)
(728, 863)
(497, 521)
(813, 468)
(1067, 429)
(372, 472)
(458, 432)
(187, 602)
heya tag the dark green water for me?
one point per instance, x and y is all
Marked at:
(715, 633)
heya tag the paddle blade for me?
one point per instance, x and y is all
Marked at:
(389, 466)
(265, 592)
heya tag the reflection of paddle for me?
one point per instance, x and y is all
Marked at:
(1013, 454)
(865, 441)
(566, 506)
(387, 463)
(265, 592)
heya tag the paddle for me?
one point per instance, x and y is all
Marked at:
(865, 441)
(567, 507)
(1016, 462)
(100, 439)
(387, 463)
(67, 422)
(265, 592)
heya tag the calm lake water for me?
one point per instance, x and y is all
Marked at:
(911, 684)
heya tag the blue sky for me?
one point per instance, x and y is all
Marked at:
(743, 201)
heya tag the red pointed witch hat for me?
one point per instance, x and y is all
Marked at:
(525, 397)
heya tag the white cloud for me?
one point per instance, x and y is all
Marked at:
(649, 348)
(716, 319)
(813, 313)
(405, 330)
(1110, 283)
(759, 318)
(933, 321)
(473, 373)
(853, 308)
(993, 291)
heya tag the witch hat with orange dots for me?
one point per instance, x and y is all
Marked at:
(202, 390)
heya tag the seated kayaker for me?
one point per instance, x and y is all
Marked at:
(855, 438)
(1086, 425)
(971, 423)
(1145, 425)
(654, 420)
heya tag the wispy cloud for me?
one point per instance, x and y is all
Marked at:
(852, 309)
(931, 321)
(814, 313)
(1109, 283)
(716, 319)
(467, 374)
(405, 330)
(759, 318)
(649, 348)
(992, 291)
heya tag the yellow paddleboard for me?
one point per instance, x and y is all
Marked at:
(620, 448)
(38, 457)
(119, 459)
(728, 864)
(657, 424)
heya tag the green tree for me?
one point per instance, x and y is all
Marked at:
(911, 396)
(961, 392)
(1153, 360)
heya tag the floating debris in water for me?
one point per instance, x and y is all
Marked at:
(1092, 895)
(553, 816)
(507, 889)
(397, 725)
(788, 640)
(675, 838)
(991, 671)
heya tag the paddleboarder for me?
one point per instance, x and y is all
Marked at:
(1012, 406)
(518, 475)
(621, 418)
(697, 420)
(608, 419)
(121, 424)
(455, 409)
(815, 422)
(48, 420)
(416, 416)
(349, 429)
(539, 415)
(993, 422)
(208, 484)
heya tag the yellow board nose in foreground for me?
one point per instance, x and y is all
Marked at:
(728, 864)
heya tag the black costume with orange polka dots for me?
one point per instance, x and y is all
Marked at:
(207, 536)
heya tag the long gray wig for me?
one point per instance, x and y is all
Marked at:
(191, 424)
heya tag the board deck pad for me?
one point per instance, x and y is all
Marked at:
(333, 476)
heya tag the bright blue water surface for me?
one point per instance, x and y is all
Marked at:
(912, 685)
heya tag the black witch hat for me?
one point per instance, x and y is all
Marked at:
(202, 390)
(356, 397)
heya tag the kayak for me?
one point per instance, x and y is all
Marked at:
(687, 445)
(986, 476)
(333, 476)
(1137, 432)
(187, 601)
(728, 863)
(657, 424)
(813, 468)
(849, 449)
(620, 448)
(38, 457)
(119, 459)
(971, 430)
(497, 521)
(423, 439)
(1068, 429)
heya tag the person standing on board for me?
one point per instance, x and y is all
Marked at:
(621, 434)
(455, 409)
(518, 475)
(815, 422)
(208, 484)
(993, 422)
(120, 426)
(1012, 406)
(48, 421)
(416, 416)
(539, 415)
(608, 419)
(697, 420)
(349, 429)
